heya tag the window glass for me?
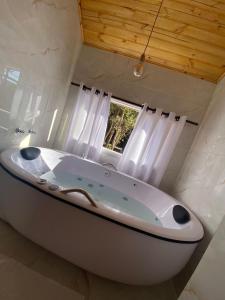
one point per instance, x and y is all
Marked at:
(121, 122)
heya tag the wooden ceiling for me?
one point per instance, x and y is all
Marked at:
(189, 35)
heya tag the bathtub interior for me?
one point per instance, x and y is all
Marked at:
(117, 192)
(107, 196)
(64, 171)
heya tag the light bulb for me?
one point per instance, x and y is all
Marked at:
(139, 68)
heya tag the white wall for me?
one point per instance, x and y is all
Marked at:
(159, 87)
(201, 182)
(39, 43)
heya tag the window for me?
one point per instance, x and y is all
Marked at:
(122, 118)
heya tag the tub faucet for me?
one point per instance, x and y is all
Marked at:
(31, 131)
(109, 165)
(19, 130)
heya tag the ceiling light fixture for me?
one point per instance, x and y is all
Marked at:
(139, 67)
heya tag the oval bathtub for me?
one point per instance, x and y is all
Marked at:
(119, 228)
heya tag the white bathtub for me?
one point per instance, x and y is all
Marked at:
(130, 237)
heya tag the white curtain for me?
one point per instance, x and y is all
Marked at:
(88, 124)
(151, 145)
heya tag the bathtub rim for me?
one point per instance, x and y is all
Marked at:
(95, 213)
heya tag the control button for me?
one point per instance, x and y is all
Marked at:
(42, 181)
(53, 187)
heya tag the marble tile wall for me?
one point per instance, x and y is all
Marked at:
(39, 44)
(201, 182)
(25, 263)
(159, 87)
(207, 282)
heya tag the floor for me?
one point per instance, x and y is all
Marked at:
(207, 281)
(27, 271)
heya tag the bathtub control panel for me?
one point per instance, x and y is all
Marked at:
(51, 187)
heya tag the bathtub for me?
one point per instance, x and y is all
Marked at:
(98, 219)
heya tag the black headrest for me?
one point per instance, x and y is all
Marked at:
(180, 214)
(30, 153)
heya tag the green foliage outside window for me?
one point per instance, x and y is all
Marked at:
(120, 124)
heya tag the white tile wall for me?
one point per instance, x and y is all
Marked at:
(39, 43)
(201, 182)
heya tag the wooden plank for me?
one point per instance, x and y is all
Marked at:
(193, 21)
(148, 6)
(172, 45)
(198, 10)
(115, 10)
(155, 60)
(165, 24)
(80, 17)
(213, 6)
(139, 33)
(212, 3)
(135, 27)
(157, 41)
(181, 28)
(154, 54)
(193, 43)
(117, 31)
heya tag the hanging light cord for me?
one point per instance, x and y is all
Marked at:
(151, 32)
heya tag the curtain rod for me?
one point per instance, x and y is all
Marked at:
(136, 104)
